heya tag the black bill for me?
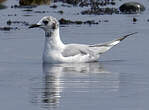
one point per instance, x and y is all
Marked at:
(34, 26)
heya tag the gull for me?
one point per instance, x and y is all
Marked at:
(55, 51)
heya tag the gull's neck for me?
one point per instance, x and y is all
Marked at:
(52, 40)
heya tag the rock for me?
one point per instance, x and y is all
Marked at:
(8, 28)
(2, 6)
(100, 11)
(86, 3)
(131, 7)
(53, 6)
(134, 19)
(28, 10)
(9, 22)
(1, 1)
(64, 21)
(61, 12)
(72, 2)
(34, 2)
(23, 6)
(90, 22)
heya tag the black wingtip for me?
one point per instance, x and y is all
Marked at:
(122, 38)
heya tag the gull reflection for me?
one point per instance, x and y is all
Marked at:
(61, 78)
(52, 85)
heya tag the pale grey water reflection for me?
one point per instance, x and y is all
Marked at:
(64, 81)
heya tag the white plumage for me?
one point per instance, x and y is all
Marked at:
(55, 51)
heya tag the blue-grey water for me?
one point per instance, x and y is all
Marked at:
(119, 81)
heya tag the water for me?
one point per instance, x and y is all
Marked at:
(119, 81)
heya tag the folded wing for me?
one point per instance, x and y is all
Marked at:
(101, 48)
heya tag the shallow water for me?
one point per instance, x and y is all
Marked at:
(119, 81)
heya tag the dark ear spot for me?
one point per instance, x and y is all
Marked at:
(54, 25)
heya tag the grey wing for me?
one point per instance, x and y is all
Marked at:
(74, 49)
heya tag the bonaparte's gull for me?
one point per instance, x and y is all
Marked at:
(55, 51)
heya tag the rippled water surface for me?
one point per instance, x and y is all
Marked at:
(119, 81)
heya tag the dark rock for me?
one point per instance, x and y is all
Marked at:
(53, 6)
(61, 11)
(27, 15)
(78, 22)
(9, 22)
(29, 10)
(72, 2)
(8, 28)
(84, 4)
(113, 3)
(12, 14)
(90, 22)
(131, 7)
(2, 6)
(39, 11)
(1, 1)
(134, 19)
(21, 6)
(64, 21)
(105, 20)
(100, 11)
(34, 2)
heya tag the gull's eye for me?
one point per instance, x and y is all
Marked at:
(45, 22)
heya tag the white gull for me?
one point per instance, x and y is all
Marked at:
(55, 51)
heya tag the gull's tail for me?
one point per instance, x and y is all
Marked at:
(101, 48)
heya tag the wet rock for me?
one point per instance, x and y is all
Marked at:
(113, 3)
(9, 22)
(131, 7)
(90, 22)
(39, 11)
(8, 28)
(86, 3)
(105, 20)
(27, 15)
(12, 14)
(100, 11)
(64, 21)
(134, 19)
(1, 5)
(21, 6)
(34, 2)
(53, 6)
(28, 10)
(78, 22)
(61, 12)
(1, 1)
(72, 2)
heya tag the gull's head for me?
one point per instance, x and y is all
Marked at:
(47, 23)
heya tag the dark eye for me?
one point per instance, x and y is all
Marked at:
(45, 22)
